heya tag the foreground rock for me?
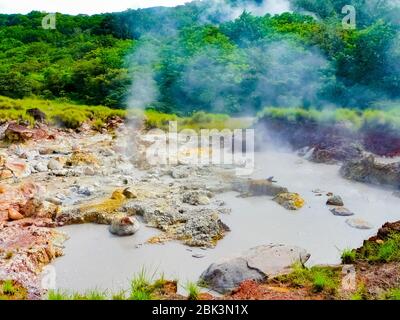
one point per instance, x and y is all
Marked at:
(125, 226)
(257, 264)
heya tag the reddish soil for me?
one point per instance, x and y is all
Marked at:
(250, 290)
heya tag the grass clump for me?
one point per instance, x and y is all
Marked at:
(348, 256)
(8, 288)
(386, 251)
(193, 291)
(141, 287)
(317, 279)
(360, 294)
(57, 295)
(11, 290)
(59, 113)
(393, 294)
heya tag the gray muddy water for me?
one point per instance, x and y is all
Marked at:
(96, 259)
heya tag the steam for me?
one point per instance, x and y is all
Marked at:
(222, 10)
(144, 89)
(278, 73)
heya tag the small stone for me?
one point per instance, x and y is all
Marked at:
(335, 201)
(89, 171)
(342, 212)
(41, 167)
(125, 226)
(54, 165)
(14, 214)
(359, 224)
(129, 193)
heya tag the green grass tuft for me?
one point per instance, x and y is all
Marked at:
(318, 279)
(348, 256)
(8, 287)
(193, 291)
(388, 251)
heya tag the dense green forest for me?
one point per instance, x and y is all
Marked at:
(205, 56)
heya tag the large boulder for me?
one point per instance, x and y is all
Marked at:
(257, 264)
(371, 171)
(224, 277)
(125, 226)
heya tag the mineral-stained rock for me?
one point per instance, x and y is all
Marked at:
(290, 201)
(359, 223)
(129, 193)
(336, 152)
(125, 226)
(29, 248)
(196, 198)
(371, 171)
(14, 214)
(253, 187)
(342, 212)
(257, 264)
(17, 133)
(335, 201)
(118, 195)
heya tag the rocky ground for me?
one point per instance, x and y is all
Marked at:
(52, 177)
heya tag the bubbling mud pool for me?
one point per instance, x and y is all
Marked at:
(95, 259)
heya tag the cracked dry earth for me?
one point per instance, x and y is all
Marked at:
(80, 177)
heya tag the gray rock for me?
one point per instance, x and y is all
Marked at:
(54, 165)
(226, 276)
(180, 172)
(257, 264)
(89, 171)
(342, 212)
(196, 198)
(274, 260)
(335, 201)
(41, 167)
(370, 170)
(125, 226)
(359, 224)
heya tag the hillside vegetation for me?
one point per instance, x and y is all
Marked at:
(201, 57)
